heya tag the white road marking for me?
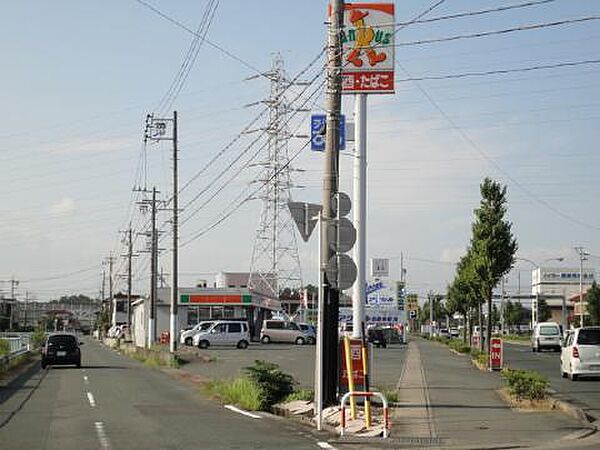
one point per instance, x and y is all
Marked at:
(325, 445)
(91, 399)
(241, 411)
(104, 442)
(86, 380)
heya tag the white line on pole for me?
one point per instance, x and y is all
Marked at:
(91, 399)
(101, 432)
(241, 411)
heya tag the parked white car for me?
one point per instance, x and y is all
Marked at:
(545, 335)
(580, 354)
(230, 332)
(187, 336)
(282, 331)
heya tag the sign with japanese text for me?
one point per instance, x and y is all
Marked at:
(358, 373)
(368, 48)
(318, 126)
(496, 355)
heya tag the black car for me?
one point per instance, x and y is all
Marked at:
(377, 337)
(61, 349)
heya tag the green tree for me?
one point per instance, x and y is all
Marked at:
(464, 294)
(514, 314)
(439, 310)
(593, 303)
(544, 311)
(492, 242)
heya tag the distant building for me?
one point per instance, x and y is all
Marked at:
(558, 284)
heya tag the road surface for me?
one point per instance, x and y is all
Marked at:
(584, 393)
(114, 402)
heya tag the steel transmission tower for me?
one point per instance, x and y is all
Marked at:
(275, 262)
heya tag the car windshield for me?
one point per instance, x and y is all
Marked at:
(589, 337)
(549, 330)
(204, 326)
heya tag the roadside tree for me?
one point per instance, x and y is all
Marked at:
(492, 242)
(593, 303)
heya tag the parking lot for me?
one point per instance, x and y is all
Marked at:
(297, 360)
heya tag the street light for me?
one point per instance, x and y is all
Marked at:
(534, 307)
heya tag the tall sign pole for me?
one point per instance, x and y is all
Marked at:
(331, 295)
(368, 68)
(359, 297)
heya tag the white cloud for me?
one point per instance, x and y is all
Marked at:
(64, 207)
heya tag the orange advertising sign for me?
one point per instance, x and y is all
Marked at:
(368, 48)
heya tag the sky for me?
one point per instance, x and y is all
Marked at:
(79, 78)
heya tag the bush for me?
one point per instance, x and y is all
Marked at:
(4, 347)
(242, 392)
(275, 384)
(526, 384)
(306, 395)
(38, 338)
(482, 359)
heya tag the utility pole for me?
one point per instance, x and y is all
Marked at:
(13, 305)
(330, 189)
(129, 256)
(153, 236)
(174, 285)
(582, 257)
(431, 296)
(110, 287)
(156, 130)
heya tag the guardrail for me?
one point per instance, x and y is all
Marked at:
(18, 344)
(386, 416)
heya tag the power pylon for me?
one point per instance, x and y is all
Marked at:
(275, 262)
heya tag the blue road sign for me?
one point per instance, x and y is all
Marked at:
(318, 124)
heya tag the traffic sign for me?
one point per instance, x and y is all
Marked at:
(306, 216)
(345, 204)
(341, 235)
(496, 354)
(318, 127)
(347, 272)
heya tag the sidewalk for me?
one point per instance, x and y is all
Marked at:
(463, 407)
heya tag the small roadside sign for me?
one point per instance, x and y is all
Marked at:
(496, 353)
(318, 127)
(306, 217)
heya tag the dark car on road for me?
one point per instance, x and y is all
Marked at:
(61, 349)
(377, 337)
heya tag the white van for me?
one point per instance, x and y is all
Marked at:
(580, 354)
(283, 331)
(226, 332)
(545, 335)
(187, 337)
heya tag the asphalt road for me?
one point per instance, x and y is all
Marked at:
(114, 402)
(584, 393)
(297, 360)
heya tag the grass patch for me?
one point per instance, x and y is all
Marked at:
(4, 347)
(390, 394)
(306, 395)
(459, 346)
(242, 392)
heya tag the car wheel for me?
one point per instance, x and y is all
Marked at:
(188, 341)
(300, 341)
(242, 344)
(533, 349)
(203, 344)
(265, 340)
(563, 374)
(311, 340)
(574, 377)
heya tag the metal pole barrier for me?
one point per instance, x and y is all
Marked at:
(349, 375)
